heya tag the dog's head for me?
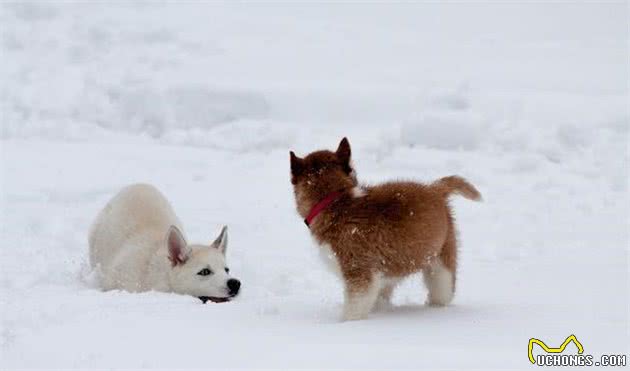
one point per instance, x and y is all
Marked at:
(200, 270)
(320, 173)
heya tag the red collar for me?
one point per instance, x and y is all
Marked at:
(321, 205)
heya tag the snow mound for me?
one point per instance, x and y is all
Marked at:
(240, 137)
(155, 112)
(135, 110)
(452, 130)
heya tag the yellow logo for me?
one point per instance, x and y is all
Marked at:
(547, 349)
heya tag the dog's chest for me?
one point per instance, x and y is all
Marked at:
(329, 258)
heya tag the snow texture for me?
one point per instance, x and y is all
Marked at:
(529, 101)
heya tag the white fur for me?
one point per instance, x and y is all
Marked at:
(386, 292)
(358, 192)
(358, 305)
(330, 259)
(129, 248)
(439, 281)
(353, 174)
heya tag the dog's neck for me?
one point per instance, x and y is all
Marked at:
(321, 206)
(307, 203)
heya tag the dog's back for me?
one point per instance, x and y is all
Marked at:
(127, 233)
(396, 226)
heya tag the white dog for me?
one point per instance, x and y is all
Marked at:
(136, 244)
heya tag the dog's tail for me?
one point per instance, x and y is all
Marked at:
(456, 184)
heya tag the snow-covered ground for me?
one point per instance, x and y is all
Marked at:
(529, 101)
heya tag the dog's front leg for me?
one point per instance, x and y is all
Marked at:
(361, 295)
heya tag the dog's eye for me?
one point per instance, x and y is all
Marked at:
(227, 270)
(204, 272)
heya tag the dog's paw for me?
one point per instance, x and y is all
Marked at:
(353, 317)
(354, 314)
(383, 305)
(437, 301)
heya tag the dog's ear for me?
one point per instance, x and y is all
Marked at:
(178, 250)
(297, 166)
(221, 241)
(343, 154)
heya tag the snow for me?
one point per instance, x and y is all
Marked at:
(528, 101)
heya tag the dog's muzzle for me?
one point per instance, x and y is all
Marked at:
(233, 285)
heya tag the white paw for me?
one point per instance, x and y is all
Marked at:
(440, 300)
(354, 316)
(383, 304)
(355, 312)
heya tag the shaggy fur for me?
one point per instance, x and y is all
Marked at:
(379, 234)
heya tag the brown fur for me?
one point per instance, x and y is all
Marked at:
(394, 229)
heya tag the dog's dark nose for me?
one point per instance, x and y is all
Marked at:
(233, 285)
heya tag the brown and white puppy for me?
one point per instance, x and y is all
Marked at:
(374, 236)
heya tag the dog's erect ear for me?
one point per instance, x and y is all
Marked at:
(297, 164)
(221, 241)
(178, 250)
(343, 154)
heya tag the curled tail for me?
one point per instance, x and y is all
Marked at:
(458, 185)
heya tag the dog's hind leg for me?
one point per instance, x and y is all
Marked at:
(386, 292)
(439, 276)
(440, 282)
(361, 296)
